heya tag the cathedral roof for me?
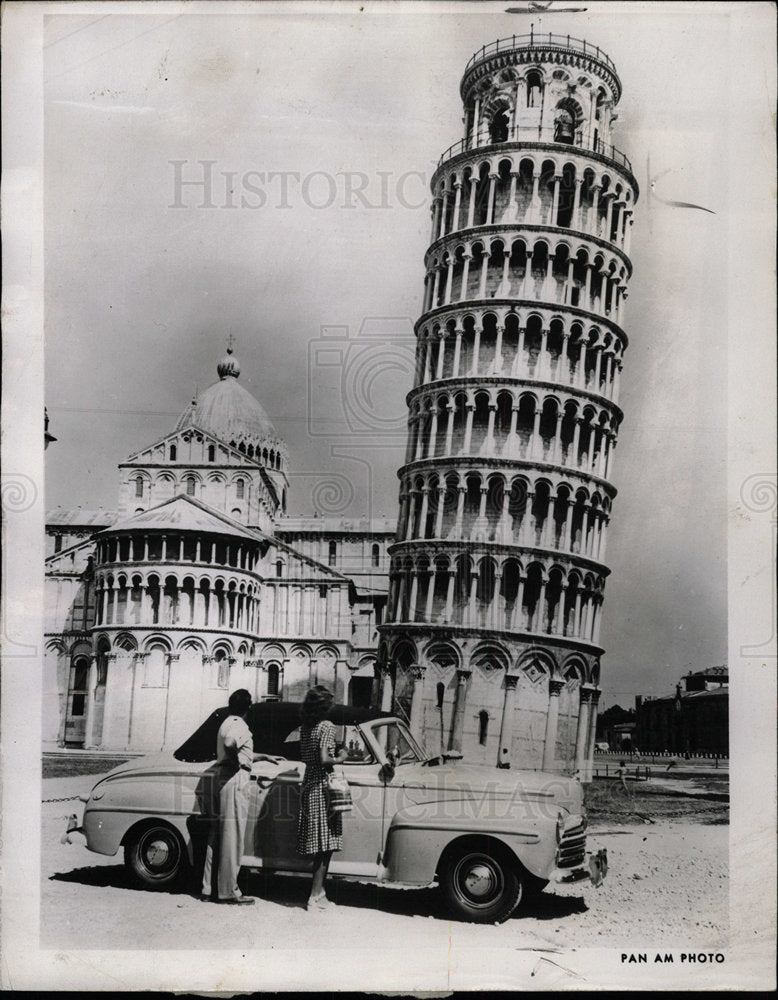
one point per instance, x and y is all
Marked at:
(229, 412)
(184, 513)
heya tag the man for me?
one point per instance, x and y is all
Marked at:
(227, 801)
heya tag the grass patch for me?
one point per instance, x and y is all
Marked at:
(608, 802)
(69, 767)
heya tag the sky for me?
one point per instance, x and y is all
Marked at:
(292, 109)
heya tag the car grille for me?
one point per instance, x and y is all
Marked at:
(572, 847)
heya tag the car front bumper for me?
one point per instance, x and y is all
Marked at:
(594, 868)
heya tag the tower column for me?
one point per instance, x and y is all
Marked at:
(470, 407)
(589, 756)
(442, 228)
(467, 257)
(583, 728)
(457, 346)
(458, 725)
(552, 718)
(554, 220)
(417, 700)
(506, 723)
(457, 203)
(493, 178)
(471, 204)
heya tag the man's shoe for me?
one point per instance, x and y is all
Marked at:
(246, 900)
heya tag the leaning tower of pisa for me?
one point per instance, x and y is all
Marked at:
(491, 641)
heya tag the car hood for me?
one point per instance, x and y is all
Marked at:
(456, 779)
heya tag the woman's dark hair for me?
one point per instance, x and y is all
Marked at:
(316, 706)
(240, 702)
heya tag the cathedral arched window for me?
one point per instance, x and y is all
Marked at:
(440, 691)
(240, 489)
(190, 486)
(172, 453)
(272, 679)
(376, 554)
(333, 553)
(279, 567)
(139, 486)
(211, 453)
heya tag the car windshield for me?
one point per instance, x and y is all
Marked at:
(397, 743)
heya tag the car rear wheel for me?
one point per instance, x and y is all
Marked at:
(156, 856)
(481, 886)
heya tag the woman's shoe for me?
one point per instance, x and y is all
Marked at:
(318, 903)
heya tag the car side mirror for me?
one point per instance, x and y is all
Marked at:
(387, 773)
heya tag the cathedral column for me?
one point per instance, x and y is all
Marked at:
(568, 525)
(90, 704)
(583, 729)
(387, 692)
(552, 718)
(435, 218)
(417, 700)
(568, 289)
(511, 214)
(511, 443)
(458, 724)
(535, 199)
(506, 724)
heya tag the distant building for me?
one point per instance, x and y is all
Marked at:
(199, 583)
(616, 727)
(693, 720)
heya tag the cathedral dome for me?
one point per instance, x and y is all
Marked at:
(230, 413)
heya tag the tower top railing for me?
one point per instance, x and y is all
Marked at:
(534, 134)
(542, 40)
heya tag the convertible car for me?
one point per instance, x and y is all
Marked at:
(488, 838)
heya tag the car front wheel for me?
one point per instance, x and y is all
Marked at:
(480, 886)
(156, 856)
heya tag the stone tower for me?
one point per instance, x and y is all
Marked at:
(491, 642)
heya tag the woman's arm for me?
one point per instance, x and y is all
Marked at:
(327, 748)
(327, 758)
(267, 757)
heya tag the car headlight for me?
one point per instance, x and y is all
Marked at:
(584, 818)
(560, 827)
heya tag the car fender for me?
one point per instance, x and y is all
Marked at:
(418, 836)
(117, 804)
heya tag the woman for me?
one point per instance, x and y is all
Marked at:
(318, 834)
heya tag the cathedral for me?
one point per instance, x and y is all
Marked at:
(201, 583)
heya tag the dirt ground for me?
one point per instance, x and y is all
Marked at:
(667, 886)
